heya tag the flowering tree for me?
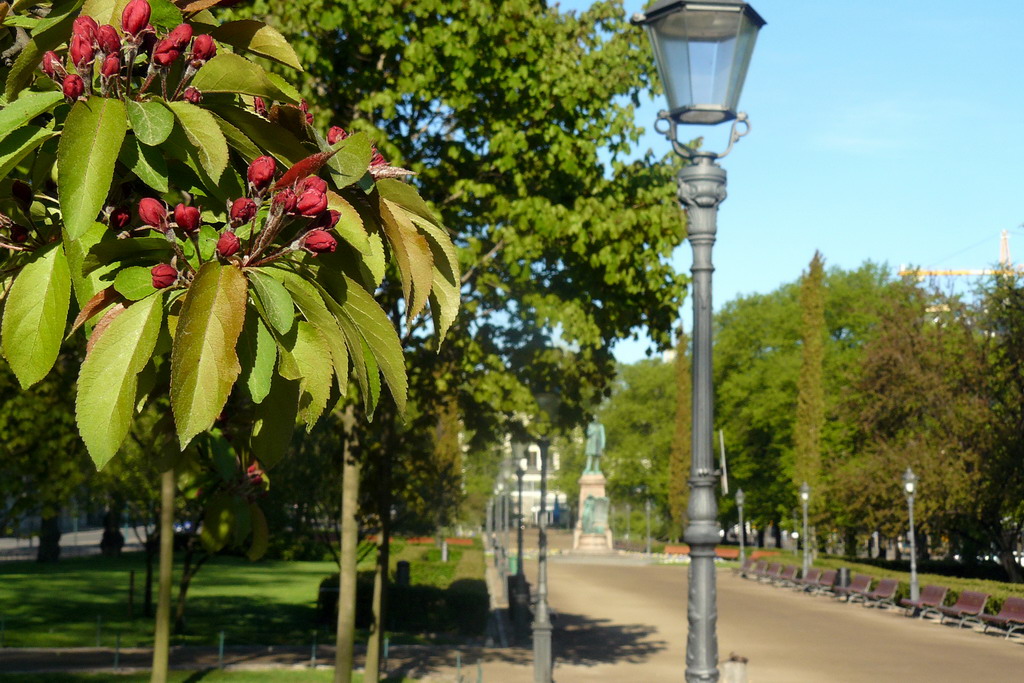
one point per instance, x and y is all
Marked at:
(166, 194)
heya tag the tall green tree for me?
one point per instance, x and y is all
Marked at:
(679, 457)
(810, 398)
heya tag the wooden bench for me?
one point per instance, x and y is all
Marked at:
(884, 593)
(968, 607)
(808, 580)
(1010, 617)
(857, 588)
(760, 567)
(787, 577)
(827, 582)
(748, 566)
(772, 573)
(928, 602)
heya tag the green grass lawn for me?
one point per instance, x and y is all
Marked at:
(254, 603)
(210, 676)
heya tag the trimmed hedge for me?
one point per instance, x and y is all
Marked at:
(461, 608)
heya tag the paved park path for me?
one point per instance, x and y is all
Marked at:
(623, 619)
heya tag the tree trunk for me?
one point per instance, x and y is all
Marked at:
(189, 569)
(162, 632)
(49, 539)
(1007, 544)
(375, 646)
(345, 637)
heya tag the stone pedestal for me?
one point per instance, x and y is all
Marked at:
(597, 540)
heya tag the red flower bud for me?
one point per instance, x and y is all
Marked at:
(85, 27)
(164, 275)
(311, 202)
(377, 159)
(261, 171)
(180, 36)
(243, 210)
(192, 95)
(153, 213)
(326, 220)
(73, 86)
(135, 17)
(311, 182)
(304, 108)
(107, 39)
(228, 244)
(319, 241)
(165, 53)
(335, 134)
(187, 217)
(286, 199)
(119, 218)
(81, 51)
(51, 64)
(19, 233)
(111, 65)
(203, 49)
(259, 106)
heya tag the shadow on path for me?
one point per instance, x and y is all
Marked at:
(587, 641)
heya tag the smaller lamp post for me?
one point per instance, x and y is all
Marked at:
(909, 486)
(647, 514)
(520, 471)
(542, 658)
(629, 519)
(805, 496)
(743, 530)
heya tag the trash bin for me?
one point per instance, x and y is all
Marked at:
(402, 573)
(844, 576)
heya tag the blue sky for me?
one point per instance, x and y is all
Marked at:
(888, 131)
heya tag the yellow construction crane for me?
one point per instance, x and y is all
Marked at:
(1005, 263)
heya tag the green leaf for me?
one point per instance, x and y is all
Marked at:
(151, 121)
(260, 533)
(147, 163)
(134, 283)
(312, 355)
(314, 308)
(17, 144)
(108, 380)
(204, 365)
(88, 273)
(203, 132)
(350, 225)
(28, 106)
(352, 159)
(444, 303)
(113, 250)
(35, 315)
(406, 196)
(257, 353)
(412, 252)
(218, 520)
(256, 37)
(239, 140)
(277, 141)
(86, 155)
(208, 237)
(275, 421)
(357, 307)
(231, 73)
(276, 301)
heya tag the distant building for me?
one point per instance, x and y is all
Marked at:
(556, 504)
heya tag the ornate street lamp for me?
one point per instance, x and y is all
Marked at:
(542, 660)
(909, 486)
(702, 50)
(805, 497)
(740, 498)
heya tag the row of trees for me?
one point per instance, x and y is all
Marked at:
(844, 379)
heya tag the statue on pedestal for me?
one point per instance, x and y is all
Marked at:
(595, 447)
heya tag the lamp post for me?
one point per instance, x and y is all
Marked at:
(519, 522)
(542, 660)
(805, 496)
(702, 50)
(647, 514)
(909, 485)
(740, 498)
